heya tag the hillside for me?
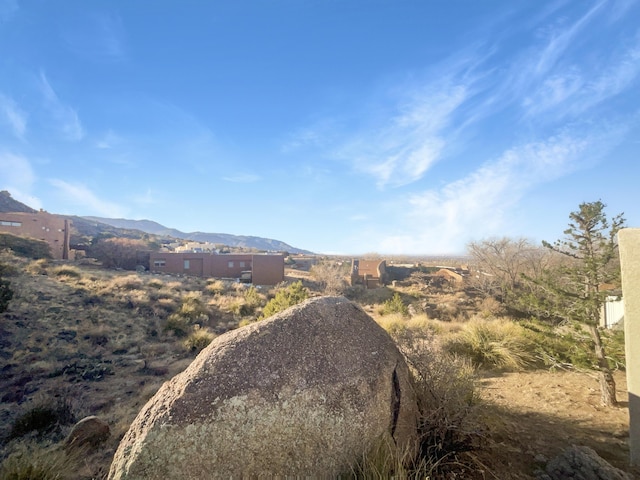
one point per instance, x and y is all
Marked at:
(8, 204)
(81, 340)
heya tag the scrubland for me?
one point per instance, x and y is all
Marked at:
(497, 395)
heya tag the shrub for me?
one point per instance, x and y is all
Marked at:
(285, 298)
(191, 312)
(215, 287)
(128, 282)
(6, 294)
(198, 339)
(42, 418)
(67, 271)
(155, 283)
(38, 267)
(31, 461)
(493, 344)
(395, 305)
(447, 403)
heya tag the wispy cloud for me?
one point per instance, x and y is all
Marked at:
(18, 178)
(13, 116)
(574, 90)
(109, 140)
(65, 118)
(480, 203)
(82, 198)
(402, 148)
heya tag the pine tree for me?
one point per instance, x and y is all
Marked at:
(591, 246)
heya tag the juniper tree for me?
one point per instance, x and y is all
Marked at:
(590, 244)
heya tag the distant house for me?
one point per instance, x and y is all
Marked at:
(370, 273)
(612, 311)
(53, 229)
(260, 269)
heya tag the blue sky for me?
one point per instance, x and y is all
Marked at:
(338, 126)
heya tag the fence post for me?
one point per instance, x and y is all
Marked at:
(629, 242)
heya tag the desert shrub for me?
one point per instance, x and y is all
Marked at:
(447, 403)
(394, 305)
(32, 461)
(155, 283)
(500, 344)
(198, 339)
(68, 271)
(191, 312)
(128, 282)
(285, 298)
(6, 294)
(125, 253)
(215, 287)
(38, 267)
(490, 307)
(331, 277)
(395, 324)
(8, 270)
(42, 418)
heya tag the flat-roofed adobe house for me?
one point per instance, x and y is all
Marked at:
(53, 229)
(370, 273)
(261, 269)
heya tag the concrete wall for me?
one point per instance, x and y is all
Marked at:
(53, 229)
(629, 241)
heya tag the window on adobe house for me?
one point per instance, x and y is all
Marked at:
(159, 263)
(242, 265)
(186, 264)
(230, 264)
(10, 224)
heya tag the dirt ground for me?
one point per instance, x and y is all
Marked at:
(532, 417)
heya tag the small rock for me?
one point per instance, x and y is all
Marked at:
(90, 431)
(583, 463)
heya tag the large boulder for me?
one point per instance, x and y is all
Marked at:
(307, 392)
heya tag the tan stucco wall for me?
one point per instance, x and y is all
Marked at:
(629, 241)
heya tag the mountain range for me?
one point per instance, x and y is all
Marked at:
(154, 228)
(93, 226)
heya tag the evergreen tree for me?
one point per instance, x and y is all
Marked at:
(590, 245)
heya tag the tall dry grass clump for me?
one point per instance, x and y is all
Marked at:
(499, 344)
(447, 401)
(35, 461)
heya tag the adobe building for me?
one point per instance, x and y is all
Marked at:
(260, 269)
(370, 273)
(53, 229)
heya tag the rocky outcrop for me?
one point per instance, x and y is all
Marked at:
(306, 392)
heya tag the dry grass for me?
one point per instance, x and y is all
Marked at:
(493, 344)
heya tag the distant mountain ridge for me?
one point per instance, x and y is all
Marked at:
(154, 228)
